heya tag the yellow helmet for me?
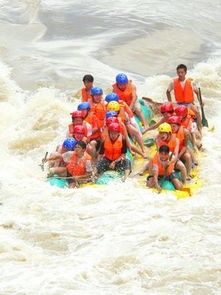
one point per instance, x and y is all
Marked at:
(165, 127)
(113, 106)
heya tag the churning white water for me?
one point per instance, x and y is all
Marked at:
(121, 238)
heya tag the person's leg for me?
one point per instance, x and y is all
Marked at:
(177, 184)
(124, 165)
(180, 166)
(188, 162)
(197, 113)
(139, 113)
(135, 133)
(193, 159)
(102, 165)
(145, 168)
(91, 149)
(138, 151)
(60, 171)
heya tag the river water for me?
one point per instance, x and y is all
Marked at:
(120, 239)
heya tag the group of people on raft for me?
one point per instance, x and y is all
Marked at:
(98, 136)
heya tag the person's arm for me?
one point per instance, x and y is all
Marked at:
(67, 156)
(176, 151)
(157, 143)
(196, 91)
(95, 125)
(185, 144)
(154, 126)
(155, 177)
(101, 151)
(125, 134)
(134, 97)
(169, 89)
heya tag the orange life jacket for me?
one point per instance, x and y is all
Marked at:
(161, 169)
(183, 95)
(85, 95)
(181, 136)
(171, 143)
(76, 168)
(99, 110)
(112, 150)
(93, 121)
(125, 95)
(186, 122)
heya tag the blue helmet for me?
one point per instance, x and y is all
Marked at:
(111, 114)
(84, 106)
(96, 91)
(112, 97)
(69, 143)
(121, 79)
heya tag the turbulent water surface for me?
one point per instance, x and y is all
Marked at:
(120, 239)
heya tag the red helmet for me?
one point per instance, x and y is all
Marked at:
(174, 120)
(77, 114)
(79, 129)
(114, 127)
(166, 107)
(111, 120)
(181, 110)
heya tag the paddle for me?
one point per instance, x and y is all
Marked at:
(204, 120)
(43, 161)
(153, 104)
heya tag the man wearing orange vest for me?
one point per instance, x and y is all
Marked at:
(111, 117)
(187, 121)
(97, 105)
(95, 138)
(113, 152)
(162, 168)
(128, 93)
(183, 136)
(86, 91)
(78, 165)
(165, 137)
(184, 91)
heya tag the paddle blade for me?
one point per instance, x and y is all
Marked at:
(204, 121)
